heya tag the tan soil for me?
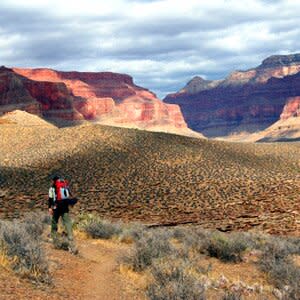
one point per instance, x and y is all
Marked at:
(24, 119)
(93, 274)
(96, 273)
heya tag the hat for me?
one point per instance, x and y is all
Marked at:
(55, 177)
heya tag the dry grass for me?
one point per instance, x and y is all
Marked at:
(21, 249)
(179, 265)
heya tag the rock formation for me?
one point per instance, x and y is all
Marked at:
(246, 101)
(291, 109)
(103, 97)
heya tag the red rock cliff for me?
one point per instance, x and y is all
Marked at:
(108, 98)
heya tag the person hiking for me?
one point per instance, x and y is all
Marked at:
(58, 206)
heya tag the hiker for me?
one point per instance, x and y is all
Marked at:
(58, 205)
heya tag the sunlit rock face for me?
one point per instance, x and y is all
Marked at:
(248, 101)
(103, 97)
(291, 109)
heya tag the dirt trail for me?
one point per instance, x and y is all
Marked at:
(93, 274)
(104, 280)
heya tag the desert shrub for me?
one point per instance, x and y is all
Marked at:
(132, 232)
(197, 240)
(284, 275)
(103, 229)
(284, 245)
(24, 251)
(274, 250)
(172, 280)
(276, 262)
(34, 223)
(226, 248)
(152, 245)
(97, 228)
(232, 296)
(180, 233)
(83, 220)
(293, 245)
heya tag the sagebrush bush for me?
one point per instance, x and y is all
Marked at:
(35, 223)
(96, 227)
(180, 233)
(102, 229)
(226, 248)
(275, 260)
(24, 251)
(196, 240)
(132, 232)
(61, 244)
(82, 220)
(232, 296)
(151, 245)
(172, 280)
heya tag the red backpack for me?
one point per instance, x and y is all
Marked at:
(62, 189)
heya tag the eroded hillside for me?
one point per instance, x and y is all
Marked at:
(154, 177)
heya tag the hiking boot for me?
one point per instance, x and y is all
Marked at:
(72, 248)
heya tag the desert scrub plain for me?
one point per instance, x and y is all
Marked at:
(189, 262)
(133, 261)
(155, 178)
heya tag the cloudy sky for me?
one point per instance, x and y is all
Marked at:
(161, 43)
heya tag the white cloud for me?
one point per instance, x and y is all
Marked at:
(160, 43)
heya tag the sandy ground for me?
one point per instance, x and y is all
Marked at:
(93, 274)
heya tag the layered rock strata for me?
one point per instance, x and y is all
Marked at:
(246, 101)
(103, 97)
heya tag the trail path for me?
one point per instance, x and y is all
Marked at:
(93, 274)
(104, 280)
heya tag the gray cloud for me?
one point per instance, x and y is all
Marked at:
(161, 43)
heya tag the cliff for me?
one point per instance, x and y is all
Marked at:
(102, 97)
(248, 101)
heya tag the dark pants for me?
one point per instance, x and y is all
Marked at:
(64, 214)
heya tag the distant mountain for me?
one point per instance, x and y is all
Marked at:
(245, 101)
(103, 97)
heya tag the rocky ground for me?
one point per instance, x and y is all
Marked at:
(153, 177)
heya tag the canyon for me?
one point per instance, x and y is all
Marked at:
(68, 98)
(245, 101)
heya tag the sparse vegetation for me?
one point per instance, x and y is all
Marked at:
(173, 256)
(173, 259)
(232, 296)
(173, 280)
(162, 179)
(179, 262)
(226, 248)
(102, 229)
(34, 224)
(277, 263)
(21, 248)
(97, 228)
(152, 245)
(132, 232)
(154, 177)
